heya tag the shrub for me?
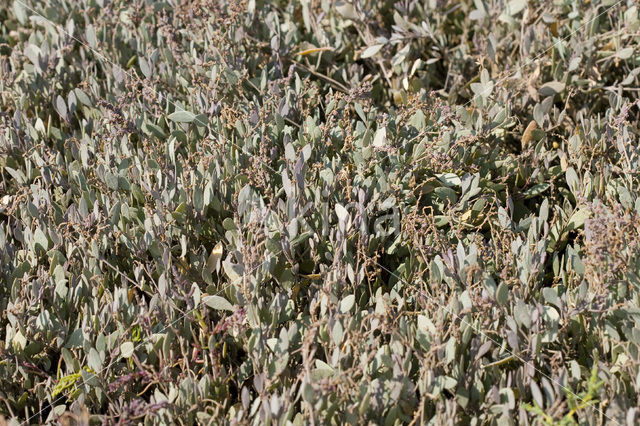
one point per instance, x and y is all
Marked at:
(256, 212)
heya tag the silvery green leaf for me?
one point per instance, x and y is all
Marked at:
(347, 303)
(450, 179)
(20, 11)
(144, 66)
(61, 107)
(94, 360)
(342, 213)
(625, 53)
(371, 51)
(217, 302)
(502, 294)
(337, 333)
(182, 116)
(75, 339)
(551, 88)
(90, 35)
(380, 138)
(308, 393)
(347, 10)
(40, 239)
(233, 271)
(126, 349)
(516, 6)
(576, 221)
(450, 351)
(572, 180)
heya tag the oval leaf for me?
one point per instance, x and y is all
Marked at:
(347, 10)
(371, 50)
(625, 53)
(502, 295)
(342, 213)
(61, 107)
(182, 117)
(347, 303)
(381, 137)
(218, 303)
(551, 88)
(126, 349)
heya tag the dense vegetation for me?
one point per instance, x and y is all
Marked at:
(256, 212)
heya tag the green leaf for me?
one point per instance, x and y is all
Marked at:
(229, 224)
(111, 180)
(201, 120)
(502, 294)
(347, 10)
(322, 370)
(144, 67)
(126, 349)
(75, 340)
(342, 213)
(572, 180)
(40, 239)
(625, 53)
(450, 179)
(61, 107)
(217, 302)
(308, 393)
(337, 333)
(522, 314)
(90, 35)
(233, 271)
(182, 116)
(450, 351)
(515, 6)
(82, 97)
(347, 303)
(94, 360)
(551, 296)
(576, 221)
(535, 190)
(20, 11)
(551, 88)
(371, 51)
(360, 112)
(380, 138)
(19, 341)
(154, 130)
